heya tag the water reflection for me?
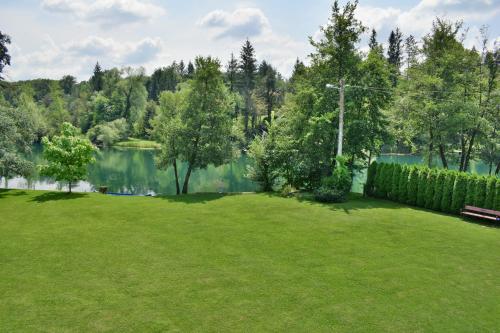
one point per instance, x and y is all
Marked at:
(134, 171)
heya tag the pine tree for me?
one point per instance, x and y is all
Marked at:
(370, 179)
(248, 66)
(480, 192)
(395, 54)
(448, 189)
(459, 192)
(471, 190)
(4, 52)
(97, 80)
(232, 73)
(190, 70)
(422, 186)
(490, 193)
(268, 87)
(396, 174)
(373, 44)
(413, 185)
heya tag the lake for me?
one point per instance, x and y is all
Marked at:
(133, 171)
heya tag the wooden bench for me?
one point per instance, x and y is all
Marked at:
(481, 213)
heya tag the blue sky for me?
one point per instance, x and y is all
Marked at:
(52, 38)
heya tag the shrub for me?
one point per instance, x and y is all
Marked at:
(480, 192)
(459, 192)
(387, 180)
(490, 193)
(422, 186)
(430, 187)
(413, 185)
(335, 188)
(438, 190)
(449, 185)
(378, 180)
(263, 170)
(396, 173)
(471, 189)
(496, 204)
(370, 178)
(403, 184)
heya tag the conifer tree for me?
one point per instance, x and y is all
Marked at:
(248, 66)
(97, 80)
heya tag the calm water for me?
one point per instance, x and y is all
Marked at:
(134, 171)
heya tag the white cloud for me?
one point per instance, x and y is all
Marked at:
(241, 23)
(418, 19)
(106, 13)
(78, 57)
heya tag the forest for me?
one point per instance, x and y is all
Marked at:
(433, 96)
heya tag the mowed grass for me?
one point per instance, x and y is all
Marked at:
(137, 143)
(252, 263)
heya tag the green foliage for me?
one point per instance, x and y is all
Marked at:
(440, 178)
(422, 186)
(370, 178)
(448, 189)
(403, 184)
(107, 134)
(68, 156)
(489, 201)
(460, 192)
(480, 192)
(471, 190)
(430, 188)
(496, 203)
(335, 188)
(263, 170)
(413, 180)
(396, 175)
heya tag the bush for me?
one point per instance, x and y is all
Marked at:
(496, 204)
(480, 192)
(379, 180)
(370, 178)
(335, 188)
(403, 184)
(449, 185)
(262, 171)
(430, 187)
(459, 192)
(396, 174)
(288, 191)
(438, 190)
(471, 189)
(489, 202)
(422, 186)
(413, 185)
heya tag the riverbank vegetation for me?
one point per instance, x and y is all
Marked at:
(241, 263)
(436, 97)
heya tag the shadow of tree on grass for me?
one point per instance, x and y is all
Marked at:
(57, 196)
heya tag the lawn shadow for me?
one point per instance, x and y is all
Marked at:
(57, 196)
(195, 198)
(13, 193)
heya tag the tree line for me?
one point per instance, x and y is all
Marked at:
(435, 97)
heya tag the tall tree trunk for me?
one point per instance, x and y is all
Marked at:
(177, 187)
(69, 184)
(186, 179)
(497, 171)
(469, 151)
(443, 156)
(490, 167)
(431, 148)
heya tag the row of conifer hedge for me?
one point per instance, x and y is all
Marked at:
(437, 189)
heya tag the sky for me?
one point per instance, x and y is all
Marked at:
(52, 38)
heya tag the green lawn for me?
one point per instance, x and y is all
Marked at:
(251, 263)
(138, 143)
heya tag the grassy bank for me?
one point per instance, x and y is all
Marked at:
(88, 262)
(137, 143)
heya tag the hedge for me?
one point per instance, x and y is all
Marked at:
(441, 190)
(423, 174)
(430, 188)
(480, 192)
(403, 184)
(489, 202)
(370, 179)
(449, 187)
(438, 190)
(459, 193)
(396, 173)
(413, 186)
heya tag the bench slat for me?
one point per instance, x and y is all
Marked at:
(482, 210)
(492, 218)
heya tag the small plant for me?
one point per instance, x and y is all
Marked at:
(336, 187)
(288, 191)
